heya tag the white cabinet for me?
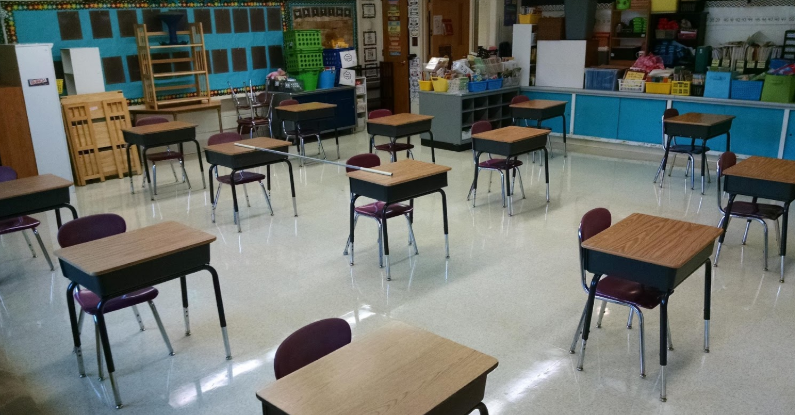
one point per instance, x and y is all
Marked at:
(361, 103)
(82, 70)
(524, 44)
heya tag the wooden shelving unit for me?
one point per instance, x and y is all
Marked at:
(196, 88)
(621, 40)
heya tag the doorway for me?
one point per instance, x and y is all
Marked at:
(396, 54)
(448, 28)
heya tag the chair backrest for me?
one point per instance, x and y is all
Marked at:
(150, 120)
(7, 173)
(89, 228)
(669, 113)
(593, 222)
(480, 127)
(287, 102)
(366, 160)
(519, 98)
(379, 113)
(250, 99)
(309, 344)
(725, 161)
(221, 138)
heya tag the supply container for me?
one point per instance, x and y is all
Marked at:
(778, 88)
(494, 84)
(440, 84)
(479, 86)
(326, 79)
(303, 61)
(426, 86)
(681, 88)
(718, 84)
(603, 79)
(747, 90)
(308, 79)
(662, 88)
(302, 41)
(631, 85)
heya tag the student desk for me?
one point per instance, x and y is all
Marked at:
(697, 126)
(157, 135)
(510, 142)
(123, 263)
(396, 369)
(656, 252)
(410, 179)
(761, 177)
(174, 112)
(35, 194)
(310, 111)
(240, 158)
(399, 126)
(541, 110)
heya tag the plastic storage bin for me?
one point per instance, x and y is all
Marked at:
(331, 57)
(748, 90)
(495, 84)
(718, 84)
(308, 79)
(681, 88)
(303, 61)
(302, 41)
(631, 85)
(326, 80)
(663, 5)
(479, 86)
(601, 79)
(778, 88)
(426, 86)
(663, 88)
(440, 84)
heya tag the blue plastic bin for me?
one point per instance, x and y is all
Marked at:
(602, 79)
(748, 90)
(479, 86)
(494, 83)
(331, 57)
(327, 79)
(718, 84)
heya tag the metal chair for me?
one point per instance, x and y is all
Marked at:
(22, 223)
(492, 165)
(162, 156)
(615, 290)
(373, 210)
(691, 150)
(524, 98)
(750, 211)
(241, 177)
(90, 228)
(298, 135)
(252, 122)
(392, 147)
(310, 343)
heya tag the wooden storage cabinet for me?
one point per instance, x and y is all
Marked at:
(455, 114)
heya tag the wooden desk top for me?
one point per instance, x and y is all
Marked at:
(180, 109)
(511, 134)
(697, 118)
(134, 247)
(402, 171)
(159, 128)
(764, 168)
(538, 104)
(655, 240)
(397, 369)
(231, 149)
(30, 185)
(309, 106)
(400, 119)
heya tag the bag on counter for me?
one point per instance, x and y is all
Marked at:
(649, 63)
(784, 70)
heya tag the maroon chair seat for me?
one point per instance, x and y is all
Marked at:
(305, 132)
(150, 121)
(690, 150)
(374, 209)
(500, 164)
(309, 344)
(491, 164)
(163, 156)
(757, 210)
(241, 177)
(687, 149)
(18, 224)
(620, 290)
(88, 300)
(259, 121)
(394, 147)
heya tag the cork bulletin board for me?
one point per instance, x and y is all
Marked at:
(332, 18)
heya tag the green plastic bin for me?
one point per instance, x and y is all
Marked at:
(778, 88)
(303, 41)
(297, 62)
(308, 79)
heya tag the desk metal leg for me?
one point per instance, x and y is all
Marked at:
(220, 303)
(201, 165)
(783, 245)
(184, 287)
(129, 169)
(508, 194)
(146, 171)
(664, 163)
(724, 224)
(728, 141)
(220, 125)
(481, 407)
(337, 140)
(473, 191)
(433, 148)
(234, 200)
(292, 186)
(210, 178)
(565, 150)
(703, 163)
(70, 302)
(354, 196)
(370, 146)
(586, 325)
(58, 214)
(385, 239)
(103, 335)
(707, 301)
(444, 218)
(268, 177)
(546, 171)
(663, 343)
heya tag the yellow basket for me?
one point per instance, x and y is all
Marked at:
(680, 88)
(426, 86)
(663, 88)
(529, 18)
(59, 83)
(440, 84)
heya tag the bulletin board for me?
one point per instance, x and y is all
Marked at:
(243, 40)
(330, 17)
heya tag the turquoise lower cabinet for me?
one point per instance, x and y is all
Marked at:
(596, 116)
(789, 148)
(640, 120)
(555, 124)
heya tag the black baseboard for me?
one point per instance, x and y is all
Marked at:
(447, 146)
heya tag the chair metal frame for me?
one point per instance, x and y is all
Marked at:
(298, 136)
(516, 172)
(392, 141)
(12, 175)
(181, 161)
(690, 169)
(525, 98)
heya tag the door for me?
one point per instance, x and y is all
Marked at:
(448, 26)
(396, 51)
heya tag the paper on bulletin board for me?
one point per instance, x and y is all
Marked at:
(347, 77)
(438, 25)
(348, 58)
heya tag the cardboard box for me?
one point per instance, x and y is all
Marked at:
(551, 28)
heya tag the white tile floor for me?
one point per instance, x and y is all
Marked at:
(510, 289)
